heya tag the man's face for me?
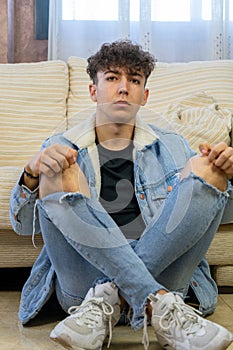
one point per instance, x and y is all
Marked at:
(119, 94)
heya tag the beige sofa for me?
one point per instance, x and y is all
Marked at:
(38, 99)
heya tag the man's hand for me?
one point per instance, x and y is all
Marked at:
(52, 160)
(215, 164)
(221, 155)
(58, 171)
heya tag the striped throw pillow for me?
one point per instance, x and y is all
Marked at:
(200, 122)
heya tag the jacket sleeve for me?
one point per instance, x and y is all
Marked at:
(23, 216)
(228, 212)
(204, 288)
(23, 210)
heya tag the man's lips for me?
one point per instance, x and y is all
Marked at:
(122, 102)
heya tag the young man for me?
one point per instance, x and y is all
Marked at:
(127, 213)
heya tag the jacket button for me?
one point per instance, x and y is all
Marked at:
(22, 194)
(195, 284)
(142, 196)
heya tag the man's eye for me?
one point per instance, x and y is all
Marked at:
(111, 78)
(135, 81)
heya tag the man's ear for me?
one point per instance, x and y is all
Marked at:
(92, 90)
(145, 97)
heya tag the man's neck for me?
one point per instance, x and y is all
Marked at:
(115, 136)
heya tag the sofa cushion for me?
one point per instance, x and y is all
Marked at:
(198, 99)
(220, 250)
(198, 118)
(223, 275)
(18, 251)
(79, 101)
(170, 82)
(32, 107)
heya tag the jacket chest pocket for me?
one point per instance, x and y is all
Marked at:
(156, 196)
(158, 192)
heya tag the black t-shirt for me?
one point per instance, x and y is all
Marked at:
(117, 193)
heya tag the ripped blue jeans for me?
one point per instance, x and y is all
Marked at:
(84, 244)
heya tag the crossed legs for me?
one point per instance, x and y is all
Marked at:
(73, 180)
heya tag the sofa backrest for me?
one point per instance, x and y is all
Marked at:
(32, 106)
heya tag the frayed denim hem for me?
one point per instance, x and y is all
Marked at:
(137, 321)
(215, 189)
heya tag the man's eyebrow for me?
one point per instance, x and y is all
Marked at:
(115, 71)
(136, 73)
(111, 71)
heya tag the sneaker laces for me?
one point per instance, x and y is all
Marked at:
(183, 315)
(145, 337)
(92, 309)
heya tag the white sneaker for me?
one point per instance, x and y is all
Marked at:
(178, 326)
(88, 324)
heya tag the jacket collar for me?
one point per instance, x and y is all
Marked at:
(83, 134)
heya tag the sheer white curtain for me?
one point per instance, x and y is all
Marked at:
(173, 30)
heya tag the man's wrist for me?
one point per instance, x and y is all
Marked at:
(30, 175)
(30, 183)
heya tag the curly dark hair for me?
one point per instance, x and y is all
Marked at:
(121, 53)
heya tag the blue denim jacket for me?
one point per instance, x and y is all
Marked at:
(159, 158)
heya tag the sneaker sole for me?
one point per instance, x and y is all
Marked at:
(64, 340)
(63, 343)
(68, 347)
(220, 343)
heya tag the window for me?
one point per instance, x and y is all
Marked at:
(231, 10)
(170, 10)
(161, 10)
(107, 10)
(174, 30)
(135, 10)
(206, 10)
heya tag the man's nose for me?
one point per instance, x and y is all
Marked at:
(123, 86)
